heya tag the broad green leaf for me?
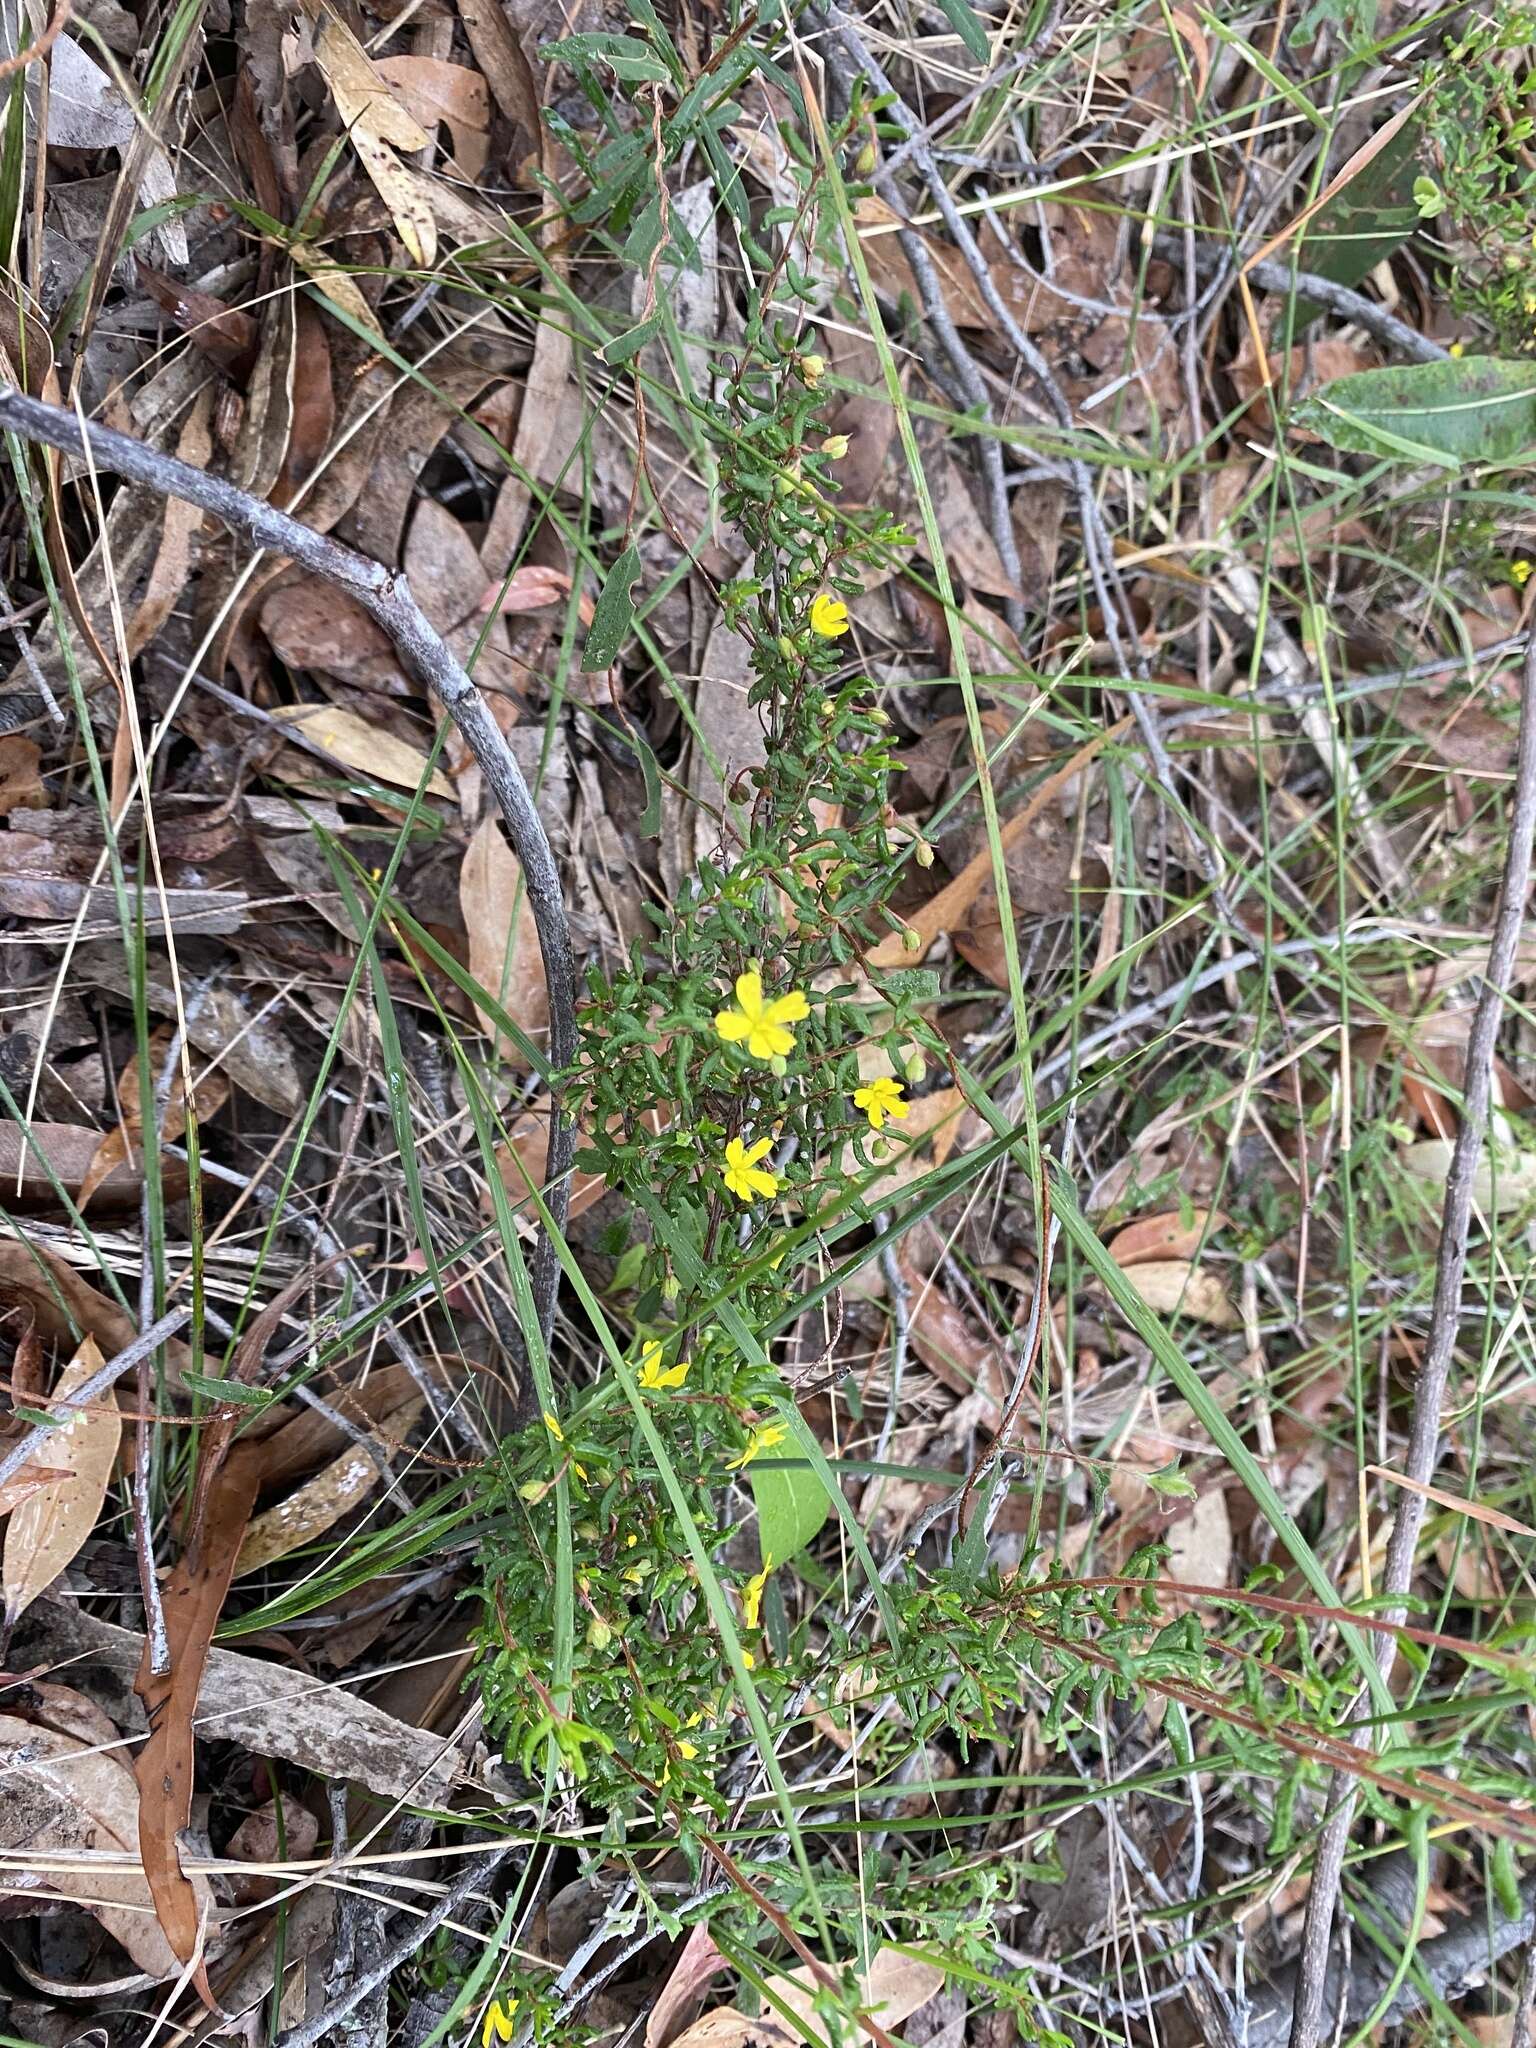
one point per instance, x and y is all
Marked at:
(627, 57)
(1470, 409)
(792, 1504)
(615, 613)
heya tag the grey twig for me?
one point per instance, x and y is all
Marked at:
(386, 597)
(144, 1346)
(1336, 298)
(409, 1943)
(1423, 1453)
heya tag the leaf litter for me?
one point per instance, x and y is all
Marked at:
(395, 320)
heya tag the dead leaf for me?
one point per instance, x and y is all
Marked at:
(117, 1151)
(193, 1599)
(31, 1163)
(697, 1961)
(1165, 1237)
(945, 911)
(1494, 1193)
(1457, 1503)
(367, 749)
(21, 786)
(65, 1307)
(504, 955)
(87, 111)
(432, 90)
(322, 1501)
(1175, 1287)
(1200, 1544)
(377, 125)
(1464, 733)
(895, 1987)
(47, 1529)
(66, 1797)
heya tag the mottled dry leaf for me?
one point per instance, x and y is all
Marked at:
(366, 749)
(377, 125)
(1466, 735)
(31, 1163)
(896, 1987)
(432, 90)
(1200, 1543)
(1165, 1237)
(322, 1501)
(21, 786)
(697, 1961)
(504, 955)
(46, 1531)
(1175, 1287)
(64, 1797)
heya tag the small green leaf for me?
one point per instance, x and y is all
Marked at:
(633, 339)
(1464, 409)
(1428, 198)
(968, 28)
(627, 57)
(615, 614)
(792, 1504)
(1171, 1484)
(233, 1392)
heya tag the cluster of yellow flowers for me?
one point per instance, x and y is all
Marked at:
(759, 1024)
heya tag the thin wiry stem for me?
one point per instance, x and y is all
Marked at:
(1423, 1454)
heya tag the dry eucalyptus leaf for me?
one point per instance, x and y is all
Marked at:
(1496, 1193)
(322, 1501)
(504, 955)
(46, 1531)
(377, 125)
(1175, 1287)
(86, 111)
(1176, 1235)
(366, 749)
(895, 1987)
(65, 1798)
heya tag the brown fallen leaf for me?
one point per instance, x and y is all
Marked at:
(895, 1987)
(697, 1961)
(504, 955)
(1456, 1502)
(432, 90)
(367, 749)
(377, 125)
(193, 1599)
(21, 786)
(46, 1529)
(1464, 733)
(1175, 1287)
(65, 1306)
(322, 1501)
(117, 1151)
(943, 912)
(1165, 1237)
(35, 1164)
(66, 1797)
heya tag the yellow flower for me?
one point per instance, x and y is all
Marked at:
(813, 368)
(752, 1597)
(765, 1437)
(553, 1426)
(881, 1099)
(497, 2024)
(1520, 574)
(829, 616)
(651, 1374)
(762, 1024)
(1456, 348)
(687, 1750)
(742, 1174)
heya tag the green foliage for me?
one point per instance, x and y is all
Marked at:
(1466, 409)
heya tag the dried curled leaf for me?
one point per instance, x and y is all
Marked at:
(1175, 1287)
(322, 1501)
(46, 1530)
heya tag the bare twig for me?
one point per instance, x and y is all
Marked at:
(480, 1869)
(1423, 1453)
(1348, 305)
(144, 1346)
(386, 597)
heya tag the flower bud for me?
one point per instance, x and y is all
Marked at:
(813, 368)
(866, 160)
(922, 853)
(599, 1634)
(911, 941)
(534, 1491)
(835, 447)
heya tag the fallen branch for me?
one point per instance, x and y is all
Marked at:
(1307, 2023)
(386, 597)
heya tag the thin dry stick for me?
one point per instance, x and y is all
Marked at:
(1444, 1319)
(386, 597)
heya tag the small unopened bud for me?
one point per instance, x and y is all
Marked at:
(599, 1634)
(813, 368)
(866, 160)
(788, 648)
(835, 447)
(922, 853)
(534, 1491)
(911, 941)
